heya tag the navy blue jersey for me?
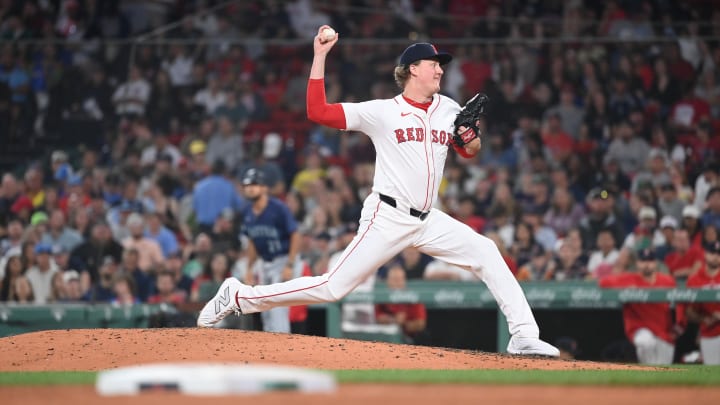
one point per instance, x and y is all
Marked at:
(270, 231)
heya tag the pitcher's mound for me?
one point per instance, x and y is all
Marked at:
(99, 349)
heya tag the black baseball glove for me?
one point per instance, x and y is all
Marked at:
(468, 118)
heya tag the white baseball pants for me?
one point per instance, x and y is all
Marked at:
(710, 350)
(383, 232)
(651, 349)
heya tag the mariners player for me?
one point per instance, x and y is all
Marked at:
(272, 234)
(707, 314)
(411, 133)
(649, 326)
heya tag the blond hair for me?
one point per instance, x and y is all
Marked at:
(402, 74)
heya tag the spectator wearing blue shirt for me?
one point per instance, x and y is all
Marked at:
(59, 234)
(161, 234)
(711, 216)
(213, 194)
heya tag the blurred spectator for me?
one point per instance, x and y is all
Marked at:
(564, 213)
(167, 290)
(707, 314)
(178, 66)
(688, 111)
(413, 263)
(156, 231)
(646, 234)
(224, 234)
(123, 287)
(9, 193)
(161, 148)
(708, 178)
(58, 234)
(13, 238)
(41, 273)
(150, 254)
(22, 292)
(233, 110)
(101, 290)
(600, 216)
(88, 256)
(142, 281)
(542, 233)
(628, 149)
(559, 143)
(571, 116)
(684, 260)
(412, 318)
(691, 223)
(668, 202)
(12, 270)
(602, 259)
(131, 97)
(174, 265)
(73, 289)
(711, 216)
(466, 214)
(268, 161)
(226, 145)
(214, 273)
(213, 194)
(198, 257)
(668, 225)
(655, 173)
(570, 261)
(211, 97)
(648, 326)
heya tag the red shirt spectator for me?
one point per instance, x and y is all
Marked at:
(708, 311)
(656, 316)
(687, 112)
(685, 259)
(558, 142)
(412, 318)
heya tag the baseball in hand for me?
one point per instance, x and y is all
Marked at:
(327, 35)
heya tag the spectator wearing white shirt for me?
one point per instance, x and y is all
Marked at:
(603, 258)
(41, 274)
(211, 97)
(131, 97)
(160, 147)
(179, 66)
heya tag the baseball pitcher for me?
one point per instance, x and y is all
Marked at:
(412, 134)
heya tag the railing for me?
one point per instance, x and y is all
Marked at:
(15, 319)
(540, 295)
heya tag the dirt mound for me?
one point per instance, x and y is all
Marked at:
(98, 349)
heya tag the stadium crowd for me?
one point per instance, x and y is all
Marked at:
(593, 150)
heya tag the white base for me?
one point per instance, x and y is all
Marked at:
(212, 379)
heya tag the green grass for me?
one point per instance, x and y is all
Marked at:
(681, 375)
(48, 378)
(696, 375)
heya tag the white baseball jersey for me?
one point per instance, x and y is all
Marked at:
(411, 145)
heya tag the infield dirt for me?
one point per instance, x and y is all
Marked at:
(99, 349)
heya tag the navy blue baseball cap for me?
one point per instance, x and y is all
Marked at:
(712, 247)
(253, 176)
(423, 50)
(646, 255)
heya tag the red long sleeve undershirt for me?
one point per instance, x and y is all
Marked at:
(319, 111)
(333, 115)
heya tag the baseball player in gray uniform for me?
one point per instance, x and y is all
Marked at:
(412, 134)
(273, 236)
